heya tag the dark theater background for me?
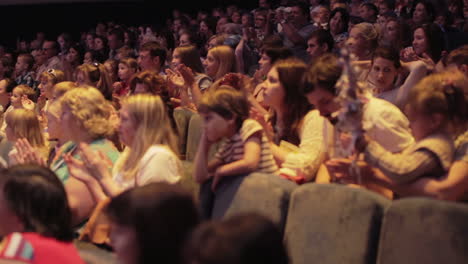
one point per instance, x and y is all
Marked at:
(22, 18)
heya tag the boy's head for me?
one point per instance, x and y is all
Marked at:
(24, 63)
(319, 84)
(223, 111)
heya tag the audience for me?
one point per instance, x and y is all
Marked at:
(262, 89)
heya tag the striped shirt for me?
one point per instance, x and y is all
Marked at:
(232, 149)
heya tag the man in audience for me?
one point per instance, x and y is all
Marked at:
(319, 43)
(368, 12)
(50, 51)
(152, 57)
(382, 121)
(115, 40)
(296, 29)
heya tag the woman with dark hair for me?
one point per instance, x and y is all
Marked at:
(428, 44)
(242, 239)
(149, 224)
(422, 12)
(294, 130)
(36, 220)
(339, 19)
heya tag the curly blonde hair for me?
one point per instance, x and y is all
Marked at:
(90, 109)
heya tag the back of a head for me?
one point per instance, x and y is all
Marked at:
(25, 124)
(162, 216)
(190, 57)
(242, 239)
(38, 198)
(443, 93)
(277, 53)
(323, 74)
(458, 57)
(226, 102)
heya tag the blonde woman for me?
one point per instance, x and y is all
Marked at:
(85, 118)
(219, 61)
(24, 124)
(362, 41)
(149, 156)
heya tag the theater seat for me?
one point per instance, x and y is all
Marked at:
(423, 230)
(266, 194)
(333, 224)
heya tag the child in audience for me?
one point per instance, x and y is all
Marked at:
(47, 81)
(127, 68)
(23, 70)
(95, 75)
(24, 124)
(112, 67)
(22, 96)
(36, 219)
(436, 108)
(245, 148)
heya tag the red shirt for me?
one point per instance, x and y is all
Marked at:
(36, 249)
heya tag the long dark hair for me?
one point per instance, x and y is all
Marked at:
(37, 197)
(162, 216)
(435, 40)
(290, 73)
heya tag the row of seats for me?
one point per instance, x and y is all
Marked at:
(333, 224)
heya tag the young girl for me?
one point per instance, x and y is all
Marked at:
(24, 124)
(127, 68)
(48, 79)
(36, 219)
(245, 148)
(112, 67)
(22, 96)
(434, 106)
(95, 75)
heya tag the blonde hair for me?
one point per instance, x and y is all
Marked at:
(90, 109)
(53, 75)
(26, 90)
(442, 93)
(153, 126)
(369, 33)
(226, 59)
(25, 124)
(62, 87)
(98, 76)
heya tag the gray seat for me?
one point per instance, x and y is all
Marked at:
(266, 194)
(422, 230)
(333, 224)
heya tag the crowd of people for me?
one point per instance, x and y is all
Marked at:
(94, 131)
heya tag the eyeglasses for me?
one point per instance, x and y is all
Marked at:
(52, 72)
